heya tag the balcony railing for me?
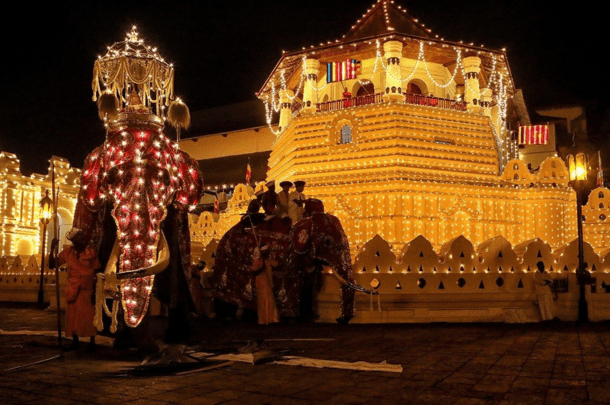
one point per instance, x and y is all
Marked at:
(350, 102)
(416, 99)
(430, 101)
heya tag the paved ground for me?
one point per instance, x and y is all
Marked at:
(550, 363)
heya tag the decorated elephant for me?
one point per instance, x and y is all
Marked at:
(309, 244)
(149, 186)
(138, 187)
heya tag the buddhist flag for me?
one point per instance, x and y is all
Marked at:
(346, 70)
(248, 174)
(216, 205)
(600, 172)
(534, 135)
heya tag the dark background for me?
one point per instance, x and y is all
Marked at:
(224, 50)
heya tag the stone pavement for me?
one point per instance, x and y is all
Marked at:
(549, 363)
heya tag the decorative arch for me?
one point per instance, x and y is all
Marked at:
(24, 247)
(416, 85)
(359, 90)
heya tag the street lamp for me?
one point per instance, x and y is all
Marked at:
(46, 212)
(578, 175)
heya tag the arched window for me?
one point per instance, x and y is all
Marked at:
(366, 90)
(346, 134)
(601, 194)
(516, 166)
(601, 206)
(516, 176)
(413, 88)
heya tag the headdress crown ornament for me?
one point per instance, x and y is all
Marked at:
(132, 67)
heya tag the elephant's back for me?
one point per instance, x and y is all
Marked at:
(231, 273)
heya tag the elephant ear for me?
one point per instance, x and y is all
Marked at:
(191, 181)
(91, 188)
(88, 215)
(301, 235)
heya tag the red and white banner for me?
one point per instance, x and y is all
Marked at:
(600, 172)
(216, 205)
(534, 135)
(248, 174)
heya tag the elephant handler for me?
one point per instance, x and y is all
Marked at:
(263, 283)
(81, 262)
(296, 207)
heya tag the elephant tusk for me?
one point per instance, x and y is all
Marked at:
(353, 286)
(158, 267)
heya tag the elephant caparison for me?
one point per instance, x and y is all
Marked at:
(310, 243)
(148, 185)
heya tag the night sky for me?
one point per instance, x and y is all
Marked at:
(224, 50)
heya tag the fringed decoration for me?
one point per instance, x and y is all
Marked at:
(179, 116)
(108, 106)
(104, 280)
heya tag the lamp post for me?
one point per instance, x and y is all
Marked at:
(578, 175)
(46, 212)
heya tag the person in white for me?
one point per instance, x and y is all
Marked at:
(543, 282)
(296, 207)
(283, 199)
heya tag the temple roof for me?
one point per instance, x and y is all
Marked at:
(387, 21)
(386, 17)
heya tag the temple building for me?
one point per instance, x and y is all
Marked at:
(401, 133)
(20, 227)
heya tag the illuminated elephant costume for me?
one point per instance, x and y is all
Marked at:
(144, 182)
(310, 243)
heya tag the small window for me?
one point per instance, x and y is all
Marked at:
(601, 194)
(601, 206)
(553, 165)
(346, 134)
(516, 176)
(516, 166)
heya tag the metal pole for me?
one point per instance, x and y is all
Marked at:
(583, 309)
(41, 287)
(55, 235)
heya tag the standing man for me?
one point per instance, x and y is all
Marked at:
(543, 282)
(296, 206)
(283, 199)
(269, 200)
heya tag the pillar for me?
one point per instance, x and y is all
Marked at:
(486, 102)
(310, 94)
(472, 92)
(393, 78)
(285, 109)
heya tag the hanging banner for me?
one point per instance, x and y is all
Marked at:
(338, 71)
(534, 135)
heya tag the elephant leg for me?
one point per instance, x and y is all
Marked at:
(140, 336)
(178, 327)
(347, 305)
(307, 304)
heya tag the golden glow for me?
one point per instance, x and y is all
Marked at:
(577, 167)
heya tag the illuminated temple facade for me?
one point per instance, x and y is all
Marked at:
(20, 226)
(411, 137)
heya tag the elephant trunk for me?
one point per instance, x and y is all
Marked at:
(161, 263)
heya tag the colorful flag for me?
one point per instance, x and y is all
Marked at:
(248, 174)
(600, 172)
(346, 70)
(534, 135)
(216, 205)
